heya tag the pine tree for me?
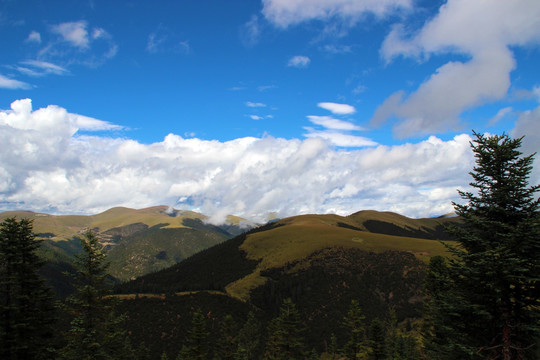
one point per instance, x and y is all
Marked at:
(285, 339)
(491, 308)
(96, 330)
(27, 308)
(357, 346)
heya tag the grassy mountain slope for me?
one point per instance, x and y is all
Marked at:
(138, 241)
(293, 239)
(65, 227)
(297, 237)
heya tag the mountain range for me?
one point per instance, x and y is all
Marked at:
(167, 263)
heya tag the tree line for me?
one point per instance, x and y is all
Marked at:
(481, 302)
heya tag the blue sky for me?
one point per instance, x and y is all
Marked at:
(259, 108)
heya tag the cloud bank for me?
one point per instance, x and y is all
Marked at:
(47, 164)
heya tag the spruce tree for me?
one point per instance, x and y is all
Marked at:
(357, 346)
(285, 340)
(333, 347)
(491, 306)
(96, 330)
(27, 308)
(249, 337)
(197, 346)
(227, 342)
(377, 336)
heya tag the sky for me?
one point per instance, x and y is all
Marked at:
(263, 108)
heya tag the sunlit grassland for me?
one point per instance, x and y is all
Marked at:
(65, 227)
(303, 235)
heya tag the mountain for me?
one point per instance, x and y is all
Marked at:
(292, 239)
(322, 262)
(137, 241)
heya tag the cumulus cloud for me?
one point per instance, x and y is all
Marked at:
(298, 61)
(482, 31)
(335, 108)
(284, 13)
(46, 164)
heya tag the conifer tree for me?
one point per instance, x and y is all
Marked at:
(357, 347)
(27, 309)
(491, 308)
(227, 341)
(197, 346)
(333, 347)
(249, 337)
(377, 333)
(285, 339)
(96, 331)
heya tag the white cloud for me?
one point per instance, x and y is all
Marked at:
(154, 42)
(98, 33)
(41, 68)
(251, 31)
(255, 104)
(337, 49)
(284, 13)
(338, 138)
(484, 31)
(334, 124)
(298, 61)
(7, 83)
(46, 165)
(74, 33)
(335, 108)
(164, 40)
(501, 114)
(77, 43)
(263, 88)
(528, 125)
(34, 37)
